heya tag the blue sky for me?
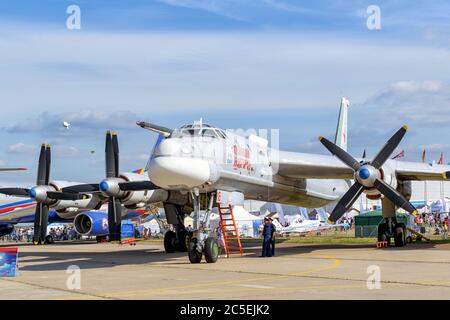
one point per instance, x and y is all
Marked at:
(235, 63)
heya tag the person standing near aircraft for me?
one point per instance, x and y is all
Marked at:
(273, 231)
(267, 236)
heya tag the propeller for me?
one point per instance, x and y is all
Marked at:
(38, 194)
(368, 176)
(114, 187)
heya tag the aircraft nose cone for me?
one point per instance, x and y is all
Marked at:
(364, 173)
(178, 172)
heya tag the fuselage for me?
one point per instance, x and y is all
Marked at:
(209, 159)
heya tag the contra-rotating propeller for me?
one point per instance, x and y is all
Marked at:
(39, 194)
(43, 193)
(368, 176)
(114, 186)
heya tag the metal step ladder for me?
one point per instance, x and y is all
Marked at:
(230, 231)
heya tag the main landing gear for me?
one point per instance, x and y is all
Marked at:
(177, 240)
(202, 243)
(391, 229)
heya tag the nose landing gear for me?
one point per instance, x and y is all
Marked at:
(202, 243)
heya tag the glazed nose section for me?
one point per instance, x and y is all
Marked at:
(167, 147)
(175, 172)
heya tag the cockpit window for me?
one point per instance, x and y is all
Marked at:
(198, 131)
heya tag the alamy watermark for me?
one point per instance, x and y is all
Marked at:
(73, 281)
(73, 21)
(374, 280)
(373, 17)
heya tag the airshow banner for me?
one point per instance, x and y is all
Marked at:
(8, 262)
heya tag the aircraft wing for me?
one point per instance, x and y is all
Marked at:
(420, 171)
(315, 166)
(12, 169)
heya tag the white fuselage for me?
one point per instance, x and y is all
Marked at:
(235, 163)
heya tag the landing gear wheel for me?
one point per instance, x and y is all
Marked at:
(182, 244)
(169, 241)
(409, 239)
(211, 250)
(49, 239)
(382, 236)
(194, 255)
(400, 235)
(101, 239)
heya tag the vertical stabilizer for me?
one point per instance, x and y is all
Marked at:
(341, 130)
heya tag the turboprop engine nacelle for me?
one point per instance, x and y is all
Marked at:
(39, 193)
(91, 223)
(130, 199)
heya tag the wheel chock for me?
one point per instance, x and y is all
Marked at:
(382, 244)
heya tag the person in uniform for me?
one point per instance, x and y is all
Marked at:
(272, 237)
(267, 236)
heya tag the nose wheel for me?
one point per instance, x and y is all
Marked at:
(202, 243)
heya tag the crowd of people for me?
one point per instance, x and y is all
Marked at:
(435, 223)
(25, 234)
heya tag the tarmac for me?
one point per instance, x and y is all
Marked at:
(298, 271)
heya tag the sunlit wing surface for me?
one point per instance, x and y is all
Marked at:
(303, 165)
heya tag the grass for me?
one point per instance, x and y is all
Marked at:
(327, 237)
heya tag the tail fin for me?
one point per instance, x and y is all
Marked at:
(341, 130)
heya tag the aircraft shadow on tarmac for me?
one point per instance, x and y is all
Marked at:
(42, 260)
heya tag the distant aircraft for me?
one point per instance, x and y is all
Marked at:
(303, 225)
(66, 125)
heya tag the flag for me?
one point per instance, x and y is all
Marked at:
(424, 155)
(139, 171)
(441, 159)
(399, 155)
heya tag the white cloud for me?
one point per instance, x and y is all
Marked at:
(422, 103)
(196, 72)
(22, 148)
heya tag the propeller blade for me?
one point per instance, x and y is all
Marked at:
(82, 188)
(40, 223)
(109, 156)
(343, 155)
(42, 167)
(346, 201)
(48, 162)
(389, 148)
(21, 192)
(137, 186)
(115, 143)
(66, 196)
(114, 219)
(394, 196)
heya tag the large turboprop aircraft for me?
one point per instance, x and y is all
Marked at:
(199, 166)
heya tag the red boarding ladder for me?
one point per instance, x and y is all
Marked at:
(230, 231)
